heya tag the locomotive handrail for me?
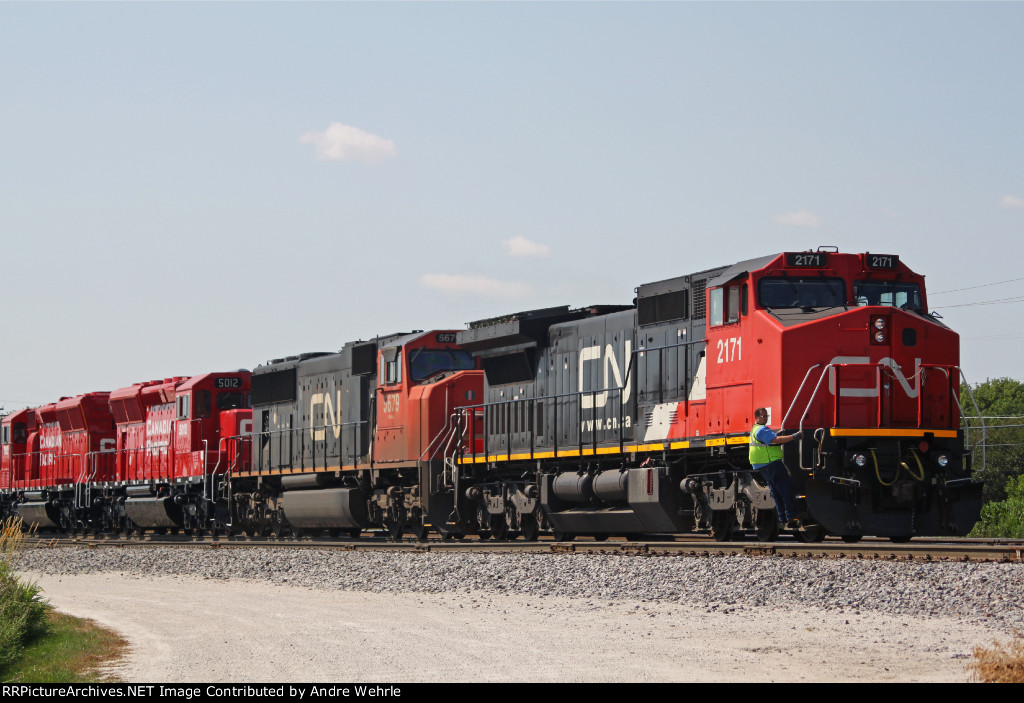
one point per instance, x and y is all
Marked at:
(578, 395)
(448, 430)
(302, 445)
(532, 403)
(661, 386)
(441, 431)
(449, 453)
(220, 454)
(83, 475)
(206, 456)
(93, 459)
(797, 396)
(237, 440)
(878, 366)
(967, 426)
(817, 387)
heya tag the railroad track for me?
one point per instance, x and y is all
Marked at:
(924, 550)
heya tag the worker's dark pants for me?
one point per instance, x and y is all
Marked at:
(777, 476)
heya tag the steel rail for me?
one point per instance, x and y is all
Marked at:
(924, 550)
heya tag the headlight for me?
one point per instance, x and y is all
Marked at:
(860, 460)
(942, 460)
(879, 323)
(879, 337)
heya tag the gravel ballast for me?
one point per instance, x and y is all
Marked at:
(981, 593)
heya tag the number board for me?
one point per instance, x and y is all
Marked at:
(227, 382)
(881, 261)
(815, 260)
(445, 338)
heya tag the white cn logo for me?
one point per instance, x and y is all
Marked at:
(897, 373)
(330, 415)
(611, 376)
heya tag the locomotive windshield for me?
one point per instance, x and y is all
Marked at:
(230, 400)
(891, 293)
(424, 363)
(793, 292)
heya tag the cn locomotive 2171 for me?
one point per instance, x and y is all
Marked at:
(604, 420)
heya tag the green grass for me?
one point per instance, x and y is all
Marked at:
(38, 645)
(70, 652)
(23, 612)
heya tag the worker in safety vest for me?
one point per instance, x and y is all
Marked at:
(766, 458)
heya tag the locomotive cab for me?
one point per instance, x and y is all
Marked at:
(418, 387)
(202, 405)
(841, 346)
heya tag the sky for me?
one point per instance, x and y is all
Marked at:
(193, 187)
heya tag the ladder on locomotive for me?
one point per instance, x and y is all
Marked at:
(449, 440)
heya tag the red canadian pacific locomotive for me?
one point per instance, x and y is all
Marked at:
(605, 420)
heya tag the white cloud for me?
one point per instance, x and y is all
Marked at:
(800, 218)
(890, 213)
(1010, 201)
(521, 246)
(478, 285)
(340, 142)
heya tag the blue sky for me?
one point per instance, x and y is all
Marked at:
(188, 187)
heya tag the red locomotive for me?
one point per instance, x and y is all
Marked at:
(614, 419)
(143, 457)
(54, 454)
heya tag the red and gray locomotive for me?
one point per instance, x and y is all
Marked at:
(604, 420)
(637, 420)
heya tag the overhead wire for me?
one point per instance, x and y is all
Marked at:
(997, 301)
(983, 285)
(1000, 301)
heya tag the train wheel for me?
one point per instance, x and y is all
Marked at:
(395, 530)
(852, 539)
(767, 526)
(723, 524)
(499, 528)
(420, 531)
(900, 539)
(810, 533)
(600, 538)
(564, 536)
(530, 527)
(354, 533)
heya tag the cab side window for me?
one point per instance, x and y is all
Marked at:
(716, 311)
(733, 308)
(391, 368)
(202, 403)
(726, 304)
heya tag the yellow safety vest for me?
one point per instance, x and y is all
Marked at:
(762, 453)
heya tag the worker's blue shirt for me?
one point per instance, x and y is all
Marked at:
(764, 436)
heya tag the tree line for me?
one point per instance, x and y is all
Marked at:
(997, 405)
